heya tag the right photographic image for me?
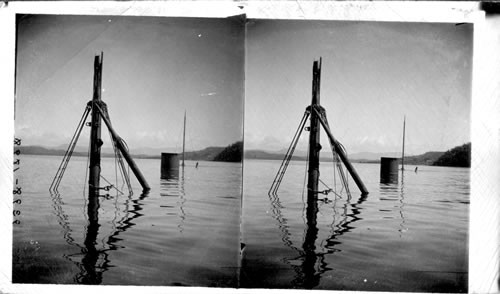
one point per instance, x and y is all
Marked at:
(357, 156)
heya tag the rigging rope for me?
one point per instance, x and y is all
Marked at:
(337, 164)
(69, 152)
(118, 157)
(329, 189)
(107, 188)
(305, 173)
(86, 169)
(116, 162)
(288, 156)
(334, 171)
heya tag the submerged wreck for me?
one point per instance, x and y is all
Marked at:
(98, 111)
(317, 116)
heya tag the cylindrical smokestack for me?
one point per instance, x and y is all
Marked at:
(389, 170)
(169, 165)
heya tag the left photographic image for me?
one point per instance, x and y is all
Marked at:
(128, 150)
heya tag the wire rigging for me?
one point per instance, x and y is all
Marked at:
(337, 164)
(288, 156)
(69, 152)
(335, 146)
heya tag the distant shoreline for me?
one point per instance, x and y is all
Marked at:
(458, 156)
(231, 153)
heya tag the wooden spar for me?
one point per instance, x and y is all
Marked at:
(313, 172)
(184, 138)
(314, 143)
(403, 152)
(123, 150)
(95, 132)
(341, 154)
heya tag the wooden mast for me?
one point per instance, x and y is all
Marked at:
(95, 132)
(99, 111)
(313, 172)
(93, 205)
(184, 139)
(314, 143)
(317, 116)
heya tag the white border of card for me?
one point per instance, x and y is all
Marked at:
(485, 126)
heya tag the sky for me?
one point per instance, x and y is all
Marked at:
(154, 69)
(373, 75)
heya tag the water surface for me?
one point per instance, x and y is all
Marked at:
(408, 236)
(185, 231)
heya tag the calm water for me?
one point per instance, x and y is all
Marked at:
(410, 236)
(184, 232)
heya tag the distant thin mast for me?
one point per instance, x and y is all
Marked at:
(403, 153)
(184, 138)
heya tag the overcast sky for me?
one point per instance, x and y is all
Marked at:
(373, 73)
(154, 69)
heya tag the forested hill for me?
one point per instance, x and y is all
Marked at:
(428, 158)
(458, 156)
(232, 153)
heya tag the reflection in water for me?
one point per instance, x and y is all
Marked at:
(282, 223)
(171, 174)
(350, 214)
(396, 193)
(91, 273)
(312, 262)
(62, 218)
(173, 186)
(402, 225)
(388, 192)
(310, 279)
(91, 260)
(133, 208)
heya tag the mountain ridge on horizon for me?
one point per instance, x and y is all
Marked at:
(427, 158)
(153, 151)
(213, 153)
(366, 155)
(209, 153)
